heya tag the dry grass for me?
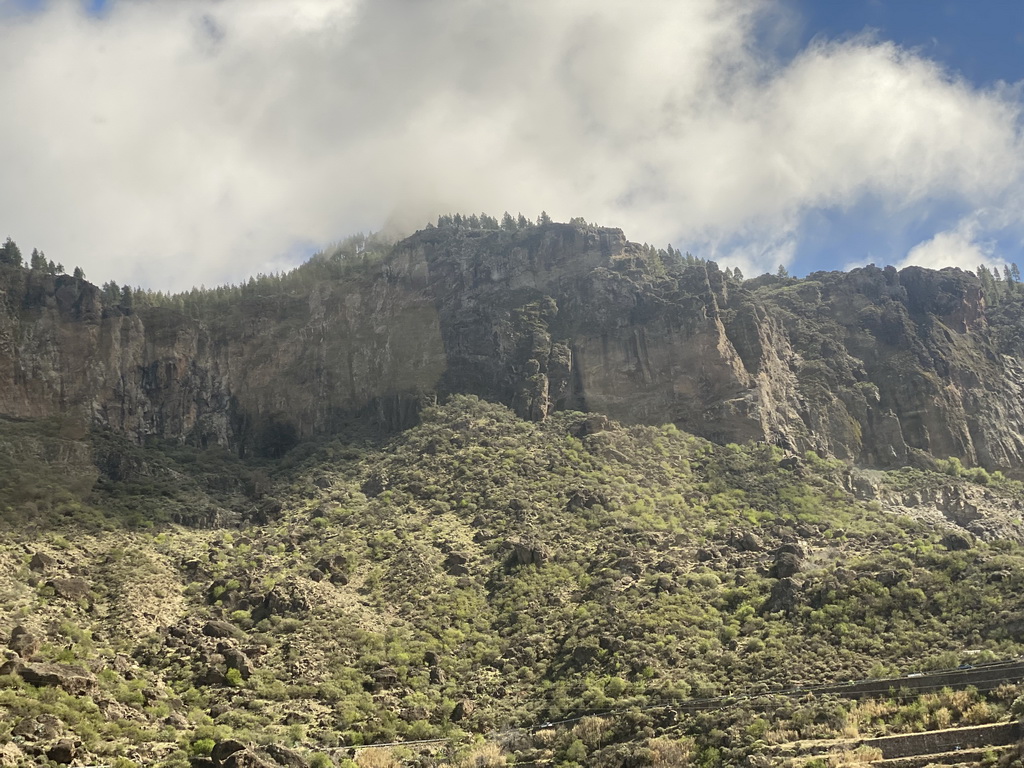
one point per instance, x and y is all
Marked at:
(668, 753)
(484, 755)
(851, 758)
(376, 757)
(590, 730)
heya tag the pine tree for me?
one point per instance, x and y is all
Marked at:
(10, 253)
(985, 278)
(79, 273)
(37, 260)
(508, 223)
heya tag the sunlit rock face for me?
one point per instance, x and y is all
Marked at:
(874, 366)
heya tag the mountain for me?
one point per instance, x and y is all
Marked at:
(523, 496)
(876, 366)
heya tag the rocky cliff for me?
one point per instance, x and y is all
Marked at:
(876, 366)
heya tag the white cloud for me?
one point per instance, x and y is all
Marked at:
(174, 143)
(961, 247)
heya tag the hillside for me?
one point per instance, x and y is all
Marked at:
(481, 574)
(512, 497)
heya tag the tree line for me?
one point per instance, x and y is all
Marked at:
(998, 287)
(10, 254)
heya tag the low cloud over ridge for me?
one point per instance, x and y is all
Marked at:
(172, 144)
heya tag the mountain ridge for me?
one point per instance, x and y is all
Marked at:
(876, 366)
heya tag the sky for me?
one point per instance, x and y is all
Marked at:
(172, 143)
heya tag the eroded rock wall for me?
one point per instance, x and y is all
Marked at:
(875, 366)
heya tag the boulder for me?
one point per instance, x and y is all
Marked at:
(462, 710)
(456, 563)
(221, 629)
(211, 675)
(335, 568)
(384, 678)
(39, 728)
(288, 758)
(784, 597)
(792, 548)
(122, 664)
(786, 564)
(247, 758)
(791, 463)
(74, 588)
(24, 643)
(749, 542)
(75, 681)
(526, 553)
(583, 498)
(957, 542)
(41, 562)
(284, 600)
(63, 752)
(236, 659)
(224, 749)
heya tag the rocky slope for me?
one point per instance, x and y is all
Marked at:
(567, 593)
(875, 366)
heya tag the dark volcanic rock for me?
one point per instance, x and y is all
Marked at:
(236, 659)
(217, 628)
(74, 588)
(749, 542)
(23, 643)
(462, 710)
(63, 752)
(786, 564)
(72, 679)
(785, 597)
(247, 758)
(223, 749)
(38, 728)
(957, 541)
(288, 758)
(41, 562)
(526, 553)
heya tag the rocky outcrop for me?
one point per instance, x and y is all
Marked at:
(967, 509)
(877, 366)
(72, 679)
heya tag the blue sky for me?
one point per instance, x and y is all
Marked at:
(981, 41)
(168, 143)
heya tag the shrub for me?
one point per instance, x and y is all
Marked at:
(202, 746)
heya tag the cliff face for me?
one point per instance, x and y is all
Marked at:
(872, 365)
